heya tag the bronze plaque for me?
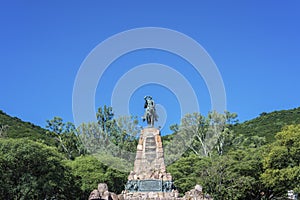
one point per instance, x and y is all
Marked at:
(150, 186)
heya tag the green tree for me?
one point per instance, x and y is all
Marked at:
(185, 171)
(115, 180)
(3, 129)
(106, 121)
(30, 170)
(121, 131)
(66, 136)
(282, 162)
(219, 125)
(128, 130)
(99, 144)
(56, 125)
(111, 140)
(209, 133)
(235, 175)
(220, 180)
(89, 172)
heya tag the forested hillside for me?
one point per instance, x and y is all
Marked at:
(52, 163)
(267, 124)
(257, 159)
(13, 127)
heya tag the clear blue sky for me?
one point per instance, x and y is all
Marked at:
(255, 45)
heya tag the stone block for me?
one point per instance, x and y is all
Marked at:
(140, 147)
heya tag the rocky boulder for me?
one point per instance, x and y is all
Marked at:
(102, 193)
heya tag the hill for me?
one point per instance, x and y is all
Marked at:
(268, 124)
(16, 128)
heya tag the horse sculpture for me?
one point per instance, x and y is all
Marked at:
(150, 112)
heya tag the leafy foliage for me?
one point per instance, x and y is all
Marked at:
(89, 172)
(251, 167)
(30, 170)
(231, 176)
(121, 132)
(16, 128)
(203, 135)
(234, 175)
(247, 162)
(66, 136)
(268, 124)
(185, 171)
(111, 140)
(282, 162)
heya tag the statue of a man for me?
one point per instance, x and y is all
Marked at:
(150, 112)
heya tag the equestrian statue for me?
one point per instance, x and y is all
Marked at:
(150, 112)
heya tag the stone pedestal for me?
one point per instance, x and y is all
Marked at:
(149, 161)
(149, 177)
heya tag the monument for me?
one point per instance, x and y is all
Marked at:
(149, 178)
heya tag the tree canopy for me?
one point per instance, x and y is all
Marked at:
(282, 162)
(30, 170)
(257, 159)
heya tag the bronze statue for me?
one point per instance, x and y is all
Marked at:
(150, 112)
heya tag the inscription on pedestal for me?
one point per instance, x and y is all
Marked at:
(150, 149)
(150, 141)
(150, 185)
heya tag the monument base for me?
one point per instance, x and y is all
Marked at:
(153, 185)
(149, 179)
(102, 193)
(174, 195)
